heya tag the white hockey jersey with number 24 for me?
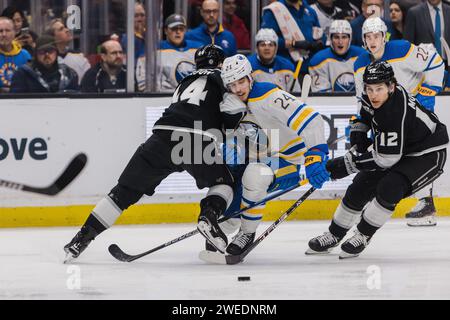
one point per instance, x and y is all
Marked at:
(293, 127)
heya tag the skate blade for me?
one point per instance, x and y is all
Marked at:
(68, 258)
(345, 255)
(212, 257)
(217, 243)
(311, 252)
(421, 222)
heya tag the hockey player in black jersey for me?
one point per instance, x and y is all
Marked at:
(200, 107)
(407, 153)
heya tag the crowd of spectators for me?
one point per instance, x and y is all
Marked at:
(294, 40)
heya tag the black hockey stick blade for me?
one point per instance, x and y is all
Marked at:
(117, 253)
(69, 174)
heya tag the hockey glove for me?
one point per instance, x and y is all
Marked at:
(315, 167)
(426, 101)
(358, 134)
(342, 167)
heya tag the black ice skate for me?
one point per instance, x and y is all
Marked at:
(240, 243)
(322, 244)
(423, 214)
(353, 246)
(209, 228)
(79, 243)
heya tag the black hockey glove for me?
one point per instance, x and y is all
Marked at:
(342, 167)
(358, 134)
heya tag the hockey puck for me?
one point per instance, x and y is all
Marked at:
(243, 278)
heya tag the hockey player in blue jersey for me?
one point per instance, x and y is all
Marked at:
(420, 70)
(269, 67)
(296, 137)
(331, 69)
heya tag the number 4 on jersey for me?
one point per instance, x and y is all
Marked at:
(193, 93)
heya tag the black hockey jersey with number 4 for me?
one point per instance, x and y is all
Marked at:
(201, 97)
(401, 127)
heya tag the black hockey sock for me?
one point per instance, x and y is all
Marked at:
(366, 228)
(94, 226)
(337, 231)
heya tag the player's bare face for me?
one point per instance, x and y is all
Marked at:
(377, 93)
(375, 43)
(340, 43)
(266, 51)
(176, 34)
(241, 88)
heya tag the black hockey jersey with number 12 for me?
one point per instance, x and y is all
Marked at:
(401, 127)
(200, 97)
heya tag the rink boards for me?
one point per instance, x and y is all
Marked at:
(38, 137)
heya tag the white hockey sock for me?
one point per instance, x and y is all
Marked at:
(377, 215)
(107, 212)
(346, 217)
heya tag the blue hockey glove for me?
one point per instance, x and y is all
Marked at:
(315, 167)
(426, 101)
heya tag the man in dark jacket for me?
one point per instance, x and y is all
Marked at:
(45, 74)
(109, 75)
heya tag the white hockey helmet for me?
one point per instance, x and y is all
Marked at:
(373, 25)
(341, 26)
(266, 34)
(235, 68)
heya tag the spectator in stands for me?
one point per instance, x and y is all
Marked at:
(12, 56)
(139, 44)
(397, 14)
(71, 58)
(427, 23)
(268, 66)
(326, 11)
(298, 30)
(331, 69)
(24, 36)
(45, 74)
(109, 75)
(235, 24)
(211, 31)
(369, 8)
(177, 54)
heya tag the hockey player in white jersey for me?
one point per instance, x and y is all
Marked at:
(299, 140)
(420, 70)
(270, 67)
(331, 69)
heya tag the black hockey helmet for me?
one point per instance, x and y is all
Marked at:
(209, 56)
(378, 72)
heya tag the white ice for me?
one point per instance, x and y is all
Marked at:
(401, 262)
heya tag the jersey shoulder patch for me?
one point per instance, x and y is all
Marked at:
(320, 57)
(396, 49)
(261, 89)
(362, 61)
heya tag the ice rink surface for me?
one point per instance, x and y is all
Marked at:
(400, 263)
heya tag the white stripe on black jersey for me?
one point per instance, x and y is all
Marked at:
(401, 127)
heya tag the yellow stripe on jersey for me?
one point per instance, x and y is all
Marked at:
(301, 118)
(264, 96)
(404, 57)
(290, 157)
(285, 171)
(290, 143)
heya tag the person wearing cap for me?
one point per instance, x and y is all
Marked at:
(270, 67)
(12, 56)
(109, 75)
(331, 69)
(45, 74)
(177, 54)
(211, 30)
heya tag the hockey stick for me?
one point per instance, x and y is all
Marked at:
(120, 255)
(306, 86)
(72, 170)
(235, 259)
